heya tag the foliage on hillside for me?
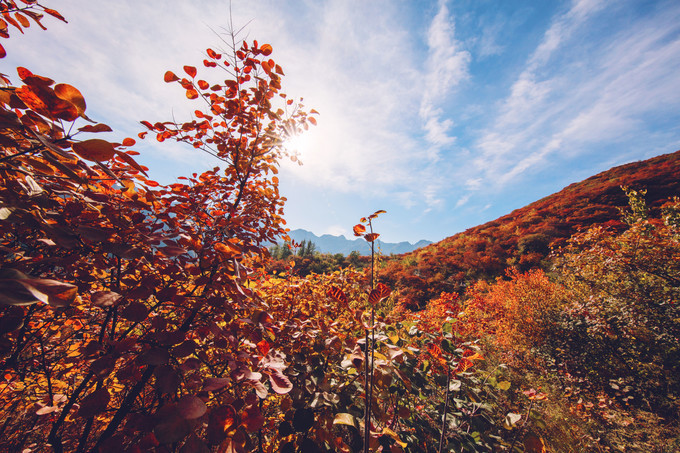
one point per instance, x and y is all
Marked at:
(524, 238)
(601, 336)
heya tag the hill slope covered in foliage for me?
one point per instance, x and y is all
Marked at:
(525, 237)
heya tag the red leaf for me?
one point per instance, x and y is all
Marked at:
(359, 229)
(279, 382)
(263, 347)
(155, 357)
(94, 149)
(16, 288)
(190, 70)
(252, 419)
(380, 293)
(222, 420)
(105, 298)
(171, 250)
(96, 128)
(371, 237)
(212, 384)
(190, 407)
(170, 77)
(129, 142)
(136, 312)
(94, 403)
(337, 294)
(3, 52)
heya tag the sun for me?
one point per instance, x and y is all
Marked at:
(298, 145)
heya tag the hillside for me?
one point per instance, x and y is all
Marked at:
(329, 243)
(525, 237)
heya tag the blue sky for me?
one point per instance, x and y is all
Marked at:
(446, 114)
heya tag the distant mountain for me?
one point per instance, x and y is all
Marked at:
(524, 237)
(329, 243)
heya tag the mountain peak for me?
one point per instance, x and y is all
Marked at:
(329, 243)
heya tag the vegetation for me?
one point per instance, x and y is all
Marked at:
(525, 237)
(141, 317)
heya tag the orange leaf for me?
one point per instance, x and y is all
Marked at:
(130, 161)
(170, 77)
(22, 19)
(192, 94)
(227, 248)
(359, 229)
(23, 73)
(129, 142)
(54, 13)
(94, 149)
(190, 70)
(376, 214)
(266, 49)
(337, 294)
(72, 95)
(380, 293)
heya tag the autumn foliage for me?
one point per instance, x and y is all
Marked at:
(137, 316)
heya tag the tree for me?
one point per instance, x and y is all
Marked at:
(126, 313)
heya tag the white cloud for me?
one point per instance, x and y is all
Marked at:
(446, 67)
(571, 96)
(462, 200)
(336, 230)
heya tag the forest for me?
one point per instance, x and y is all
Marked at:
(142, 317)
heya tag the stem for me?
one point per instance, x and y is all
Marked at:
(446, 408)
(514, 441)
(369, 372)
(367, 409)
(125, 407)
(52, 437)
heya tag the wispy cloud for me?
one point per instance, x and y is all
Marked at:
(565, 103)
(446, 67)
(529, 87)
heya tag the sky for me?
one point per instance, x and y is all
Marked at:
(446, 114)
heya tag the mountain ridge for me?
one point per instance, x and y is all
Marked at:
(525, 237)
(329, 243)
